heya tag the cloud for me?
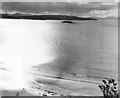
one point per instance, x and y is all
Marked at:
(104, 14)
(68, 8)
(60, 7)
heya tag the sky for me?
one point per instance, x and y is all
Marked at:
(93, 8)
(60, 0)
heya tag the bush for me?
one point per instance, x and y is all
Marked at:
(109, 89)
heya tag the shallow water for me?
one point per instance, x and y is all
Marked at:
(84, 52)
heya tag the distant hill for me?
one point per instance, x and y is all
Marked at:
(44, 17)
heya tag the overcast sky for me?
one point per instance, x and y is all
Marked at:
(60, 0)
(101, 8)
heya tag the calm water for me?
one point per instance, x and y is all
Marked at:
(87, 48)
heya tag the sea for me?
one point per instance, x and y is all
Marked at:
(67, 57)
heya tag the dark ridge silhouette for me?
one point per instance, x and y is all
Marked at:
(70, 22)
(45, 17)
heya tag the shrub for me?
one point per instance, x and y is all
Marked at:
(109, 89)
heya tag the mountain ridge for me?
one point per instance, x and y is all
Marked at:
(44, 17)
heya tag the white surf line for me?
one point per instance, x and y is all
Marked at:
(66, 78)
(80, 75)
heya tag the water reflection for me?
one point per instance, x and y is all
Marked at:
(25, 45)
